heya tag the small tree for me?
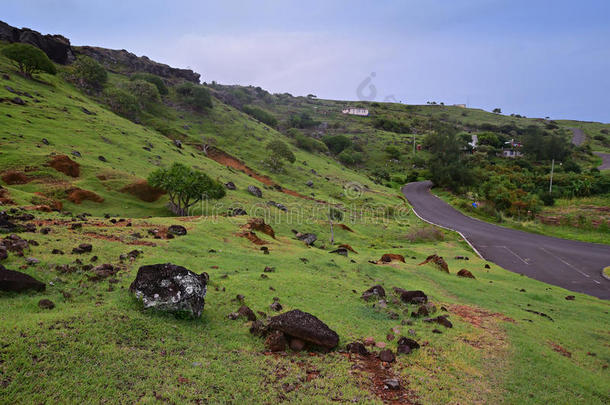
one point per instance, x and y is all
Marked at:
(197, 97)
(185, 186)
(497, 111)
(89, 74)
(150, 78)
(207, 142)
(29, 59)
(145, 92)
(121, 102)
(278, 152)
(393, 152)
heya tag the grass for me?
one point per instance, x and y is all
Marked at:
(99, 345)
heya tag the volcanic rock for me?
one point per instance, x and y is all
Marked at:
(17, 282)
(375, 292)
(465, 273)
(304, 326)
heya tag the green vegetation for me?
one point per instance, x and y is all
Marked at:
(278, 153)
(99, 345)
(153, 79)
(195, 96)
(261, 115)
(28, 59)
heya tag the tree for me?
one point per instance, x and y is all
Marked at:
(89, 74)
(447, 165)
(334, 214)
(29, 59)
(497, 110)
(121, 102)
(195, 96)
(337, 143)
(153, 79)
(261, 115)
(207, 142)
(393, 152)
(185, 186)
(278, 152)
(145, 92)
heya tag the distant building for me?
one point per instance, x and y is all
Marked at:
(511, 149)
(475, 140)
(356, 111)
(460, 105)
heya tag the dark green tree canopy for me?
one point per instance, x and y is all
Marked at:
(29, 59)
(195, 96)
(278, 152)
(337, 143)
(88, 73)
(185, 186)
(153, 79)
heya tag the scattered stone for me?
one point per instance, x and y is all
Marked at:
(177, 230)
(102, 159)
(309, 183)
(570, 297)
(436, 331)
(247, 313)
(414, 297)
(487, 266)
(265, 250)
(390, 257)
(255, 191)
(57, 252)
(18, 101)
(304, 326)
(438, 260)
(103, 271)
(276, 306)
(276, 341)
(178, 143)
(18, 282)
(83, 109)
(387, 355)
(406, 345)
(465, 273)
(32, 261)
(369, 341)
(230, 185)
(46, 304)
(82, 248)
(258, 224)
(441, 320)
(391, 384)
(277, 205)
(308, 238)
(375, 292)
(168, 287)
(237, 211)
(340, 251)
(269, 269)
(425, 310)
(45, 230)
(258, 328)
(357, 348)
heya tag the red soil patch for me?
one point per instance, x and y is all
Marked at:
(41, 208)
(348, 247)
(477, 316)
(41, 199)
(64, 164)
(14, 177)
(438, 260)
(143, 191)
(560, 350)
(78, 195)
(258, 224)
(225, 159)
(390, 257)
(378, 373)
(344, 227)
(251, 236)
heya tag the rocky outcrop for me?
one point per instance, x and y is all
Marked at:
(306, 327)
(172, 288)
(122, 61)
(17, 282)
(56, 47)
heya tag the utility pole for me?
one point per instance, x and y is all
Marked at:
(413, 144)
(551, 182)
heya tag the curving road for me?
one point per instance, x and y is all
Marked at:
(573, 265)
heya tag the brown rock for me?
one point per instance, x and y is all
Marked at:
(276, 341)
(387, 355)
(465, 273)
(46, 304)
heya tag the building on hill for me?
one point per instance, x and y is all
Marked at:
(511, 149)
(460, 105)
(363, 112)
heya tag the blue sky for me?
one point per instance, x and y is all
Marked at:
(535, 58)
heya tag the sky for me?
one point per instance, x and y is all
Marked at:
(536, 58)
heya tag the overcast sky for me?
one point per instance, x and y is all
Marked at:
(536, 58)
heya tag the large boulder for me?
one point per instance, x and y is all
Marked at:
(375, 292)
(17, 282)
(304, 326)
(171, 288)
(5, 224)
(255, 191)
(56, 47)
(177, 230)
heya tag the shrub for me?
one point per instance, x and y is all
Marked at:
(547, 199)
(29, 59)
(390, 125)
(302, 120)
(185, 186)
(278, 152)
(393, 152)
(310, 144)
(121, 102)
(350, 157)
(153, 79)
(195, 96)
(143, 91)
(88, 73)
(261, 115)
(337, 143)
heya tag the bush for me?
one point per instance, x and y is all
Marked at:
(153, 79)
(121, 102)
(29, 59)
(390, 125)
(185, 186)
(89, 74)
(195, 96)
(547, 199)
(310, 144)
(278, 152)
(393, 152)
(350, 157)
(144, 91)
(337, 143)
(261, 115)
(303, 120)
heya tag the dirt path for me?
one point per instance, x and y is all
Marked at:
(578, 136)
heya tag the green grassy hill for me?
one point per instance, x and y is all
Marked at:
(98, 345)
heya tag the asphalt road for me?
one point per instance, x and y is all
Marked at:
(605, 160)
(573, 265)
(578, 136)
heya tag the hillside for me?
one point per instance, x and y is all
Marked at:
(509, 339)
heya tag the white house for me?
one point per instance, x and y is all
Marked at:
(356, 111)
(474, 142)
